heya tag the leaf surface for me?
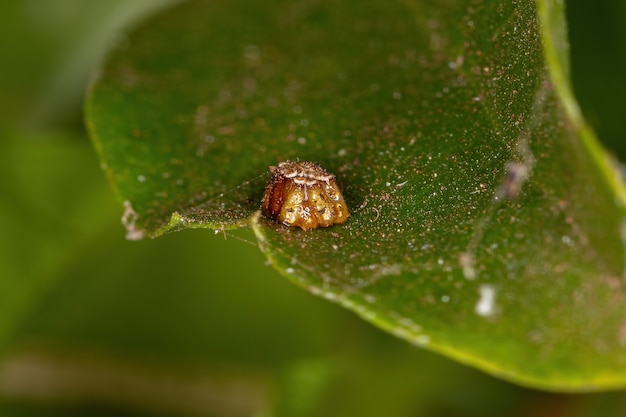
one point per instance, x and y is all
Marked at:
(485, 221)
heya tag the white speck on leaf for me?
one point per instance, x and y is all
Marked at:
(467, 264)
(128, 220)
(485, 307)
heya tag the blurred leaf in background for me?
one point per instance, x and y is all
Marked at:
(93, 325)
(52, 49)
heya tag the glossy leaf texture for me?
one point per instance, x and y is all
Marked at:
(486, 224)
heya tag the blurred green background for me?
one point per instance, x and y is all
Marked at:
(195, 323)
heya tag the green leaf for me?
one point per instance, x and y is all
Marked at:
(53, 49)
(486, 221)
(50, 193)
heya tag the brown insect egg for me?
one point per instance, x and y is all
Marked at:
(303, 194)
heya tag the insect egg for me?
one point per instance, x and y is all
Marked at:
(305, 195)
